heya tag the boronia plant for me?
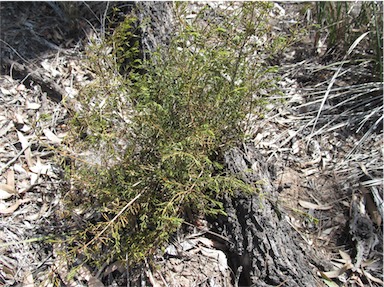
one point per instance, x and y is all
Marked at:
(156, 130)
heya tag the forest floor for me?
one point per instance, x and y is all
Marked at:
(321, 170)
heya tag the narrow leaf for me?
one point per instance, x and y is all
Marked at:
(11, 178)
(6, 191)
(330, 283)
(345, 256)
(337, 273)
(357, 41)
(32, 106)
(10, 209)
(25, 145)
(372, 278)
(310, 205)
(52, 137)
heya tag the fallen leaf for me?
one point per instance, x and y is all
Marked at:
(34, 178)
(308, 172)
(327, 232)
(51, 136)
(292, 133)
(87, 275)
(336, 273)
(19, 119)
(330, 283)
(48, 67)
(338, 263)
(39, 214)
(171, 250)
(28, 280)
(113, 267)
(19, 169)
(71, 92)
(345, 256)
(40, 168)
(10, 209)
(207, 242)
(25, 145)
(368, 262)
(310, 205)
(217, 255)
(372, 209)
(27, 188)
(6, 129)
(7, 270)
(32, 106)
(58, 37)
(5, 92)
(295, 147)
(20, 87)
(6, 191)
(11, 178)
(372, 278)
(345, 203)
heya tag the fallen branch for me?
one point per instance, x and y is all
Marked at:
(53, 90)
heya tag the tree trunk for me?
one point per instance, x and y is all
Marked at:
(264, 249)
(159, 18)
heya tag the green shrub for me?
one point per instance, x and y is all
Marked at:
(160, 128)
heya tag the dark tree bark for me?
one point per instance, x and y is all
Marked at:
(159, 20)
(264, 249)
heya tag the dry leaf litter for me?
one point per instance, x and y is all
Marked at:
(321, 177)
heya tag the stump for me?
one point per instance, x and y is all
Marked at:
(264, 249)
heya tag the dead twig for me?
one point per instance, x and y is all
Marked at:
(8, 164)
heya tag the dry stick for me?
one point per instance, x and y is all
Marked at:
(14, 50)
(282, 283)
(150, 275)
(113, 220)
(54, 90)
(13, 160)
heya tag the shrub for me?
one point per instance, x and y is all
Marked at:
(159, 127)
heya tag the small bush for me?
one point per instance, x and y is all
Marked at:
(159, 127)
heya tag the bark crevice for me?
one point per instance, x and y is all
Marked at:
(264, 248)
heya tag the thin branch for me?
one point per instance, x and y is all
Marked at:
(14, 159)
(113, 220)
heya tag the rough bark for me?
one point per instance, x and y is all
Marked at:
(264, 249)
(159, 20)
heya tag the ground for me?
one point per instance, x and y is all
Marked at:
(321, 174)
